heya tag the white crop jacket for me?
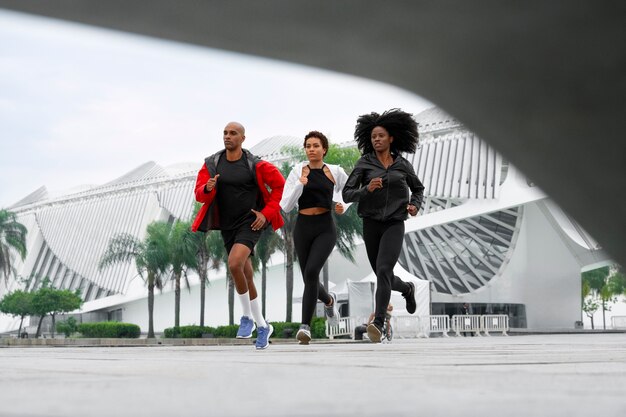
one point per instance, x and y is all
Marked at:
(293, 187)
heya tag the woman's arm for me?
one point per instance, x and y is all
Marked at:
(415, 185)
(340, 181)
(293, 189)
(353, 191)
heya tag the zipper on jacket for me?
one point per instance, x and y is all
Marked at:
(386, 194)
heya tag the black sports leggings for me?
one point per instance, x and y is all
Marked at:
(383, 242)
(314, 238)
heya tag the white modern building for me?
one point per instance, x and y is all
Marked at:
(486, 235)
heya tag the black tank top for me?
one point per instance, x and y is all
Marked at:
(318, 192)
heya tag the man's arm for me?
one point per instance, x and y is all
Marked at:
(272, 177)
(202, 196)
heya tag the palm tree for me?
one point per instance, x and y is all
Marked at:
(289, 249)
(267, 245)
(349, 226)
(210, 254)
(182, 248)
(12, 238)
(231, 295)
(151, 257)
(287, 246)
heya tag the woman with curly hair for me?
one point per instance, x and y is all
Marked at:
(380, 183)
(312, 186)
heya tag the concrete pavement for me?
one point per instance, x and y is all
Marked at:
(555, 375)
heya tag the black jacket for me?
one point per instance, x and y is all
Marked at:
(389, 202)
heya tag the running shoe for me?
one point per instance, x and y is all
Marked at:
(331, 312)
(246, 327)
(304, 334)
(411, 305)
(263, 336)
(374, 332)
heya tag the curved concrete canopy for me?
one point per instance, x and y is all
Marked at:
(544, 82)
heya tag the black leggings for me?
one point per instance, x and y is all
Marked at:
(314, 238)
(383, 242)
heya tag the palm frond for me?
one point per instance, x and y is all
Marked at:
(122, 248)
(12, 239)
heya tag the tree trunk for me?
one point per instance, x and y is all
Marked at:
(603, 315)
(150, 305)
(39, 326)
(203, 280)
(231, 299)
(19, 331)
(592, 327)
(53, 324)
(177, 300)
(325, 274)
(289, 275)
(263, 285)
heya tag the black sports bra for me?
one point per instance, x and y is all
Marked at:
(318, 192)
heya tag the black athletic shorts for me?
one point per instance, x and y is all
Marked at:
(242, 234)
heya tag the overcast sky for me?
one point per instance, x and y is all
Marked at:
(81, 105)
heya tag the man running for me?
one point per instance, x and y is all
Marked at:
(233, 187)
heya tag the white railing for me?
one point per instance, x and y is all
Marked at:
(413, 326)
(466, 323)
(495, 323)
(405, 326)
(618, 322)
(438, 323)
(345, 327)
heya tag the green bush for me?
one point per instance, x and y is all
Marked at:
(280, 326)
(227, 331)
(67, 327)
(188, 332)
(109, 329)
(318, 328)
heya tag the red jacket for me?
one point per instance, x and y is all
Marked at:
(267, 175)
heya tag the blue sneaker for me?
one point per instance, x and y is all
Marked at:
(246, 327)
(263, 336)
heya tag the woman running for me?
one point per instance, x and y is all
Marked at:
(380, 183)
(313, 186)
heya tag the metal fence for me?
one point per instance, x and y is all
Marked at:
(466, 323)
(495, 323)
(423, 326)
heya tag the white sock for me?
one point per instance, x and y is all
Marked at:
(244, 299)
(256, 313)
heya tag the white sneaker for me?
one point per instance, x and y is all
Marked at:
(331, 312)
(304, 334)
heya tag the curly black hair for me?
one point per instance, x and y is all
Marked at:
(399, 124)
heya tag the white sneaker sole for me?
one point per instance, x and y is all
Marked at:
(303, 337)
(373, 333)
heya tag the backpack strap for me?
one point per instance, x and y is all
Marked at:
(252, 161)
(211, 162)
